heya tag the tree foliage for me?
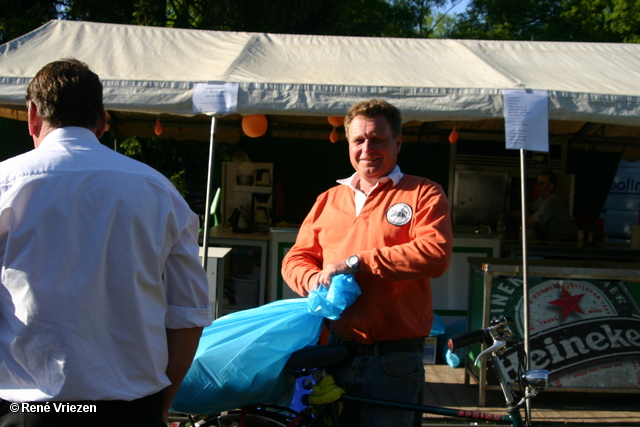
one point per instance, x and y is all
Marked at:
(559, 20)
(392, 18)
(20, 17)
(550, 20)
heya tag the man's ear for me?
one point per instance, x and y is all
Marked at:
(33, 121)
(102, 125)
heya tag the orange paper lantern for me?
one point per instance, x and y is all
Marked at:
(336, 121)
(453, 136)
(254, 125)
(158, 128)
(333, 136)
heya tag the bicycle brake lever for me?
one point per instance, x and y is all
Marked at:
(497, 345)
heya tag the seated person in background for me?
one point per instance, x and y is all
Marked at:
(549, 214)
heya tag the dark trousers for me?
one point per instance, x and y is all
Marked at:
(145, 412)
(388, 370)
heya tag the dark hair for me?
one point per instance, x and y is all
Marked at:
(67, 93)
(553, 178)
(375, 107)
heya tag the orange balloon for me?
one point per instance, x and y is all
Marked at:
(158, 128)
(336, 120)
(254, 125)
(333, 136)
(453, 136)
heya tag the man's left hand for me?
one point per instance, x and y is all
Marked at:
(330, 270)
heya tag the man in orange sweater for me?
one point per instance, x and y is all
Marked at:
(393, 231)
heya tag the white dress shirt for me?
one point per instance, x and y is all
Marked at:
(98, 255)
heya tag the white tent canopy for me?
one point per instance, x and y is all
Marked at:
(152, 70)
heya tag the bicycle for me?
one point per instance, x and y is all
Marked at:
(312, 360)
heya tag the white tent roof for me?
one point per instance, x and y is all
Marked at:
(153, 70)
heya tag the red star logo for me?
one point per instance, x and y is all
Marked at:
(568, 303)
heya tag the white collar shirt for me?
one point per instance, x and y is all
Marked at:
(98, 255)
(359, 196)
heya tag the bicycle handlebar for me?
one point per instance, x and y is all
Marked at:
(466, 338)
(497, 331)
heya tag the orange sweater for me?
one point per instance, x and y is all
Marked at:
(396, 261)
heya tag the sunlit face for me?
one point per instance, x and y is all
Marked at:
(373, 150)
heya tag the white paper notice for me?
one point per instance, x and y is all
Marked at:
(215, 97)
(526, 120)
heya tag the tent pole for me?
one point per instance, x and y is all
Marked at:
(525, 269)
(207, 207)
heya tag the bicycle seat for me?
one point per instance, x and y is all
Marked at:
(318, 356)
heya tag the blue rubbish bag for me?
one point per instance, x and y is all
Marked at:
(330, 303)
(453, 359)
(438, 327)
(241, 357)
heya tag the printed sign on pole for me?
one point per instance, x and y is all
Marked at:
(215, 97)
(526, 120)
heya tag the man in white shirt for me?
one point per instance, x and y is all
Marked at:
(102, 296)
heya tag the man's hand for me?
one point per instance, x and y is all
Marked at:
(182, 345)
(324, 277)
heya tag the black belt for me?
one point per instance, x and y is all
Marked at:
(380, 348)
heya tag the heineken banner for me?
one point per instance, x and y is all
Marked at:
(585, 332)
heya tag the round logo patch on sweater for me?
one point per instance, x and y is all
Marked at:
(399, 214)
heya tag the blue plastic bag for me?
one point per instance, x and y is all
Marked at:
(438, 326)
(330, 303)
(453, 359)
(241, 357)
